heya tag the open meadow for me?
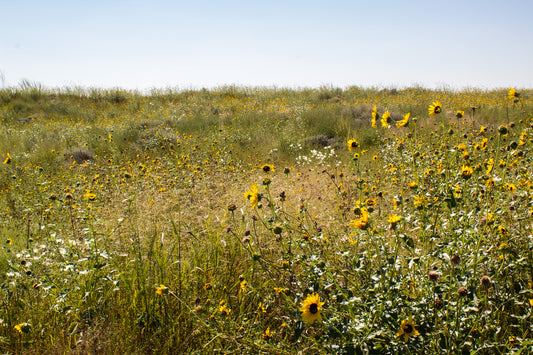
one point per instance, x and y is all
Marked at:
(266, 221)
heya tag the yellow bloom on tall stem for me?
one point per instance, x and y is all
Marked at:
(311, 308)
(513, 94)
(375, 116)
(224, 310)
(244, 285)
(393, 220)
(253, 195)
(489, 165)
(403, 122)
(385, 119)
(407, 328)
(162, 290)
(435, 108)
(466, 171)
(362, 222)
(523, 138)
(8, 159)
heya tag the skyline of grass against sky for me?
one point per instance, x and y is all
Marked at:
(142, 45)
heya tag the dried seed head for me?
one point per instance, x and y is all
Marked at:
(485, 281)
(462, 291)
(433, 275)
(456, 259)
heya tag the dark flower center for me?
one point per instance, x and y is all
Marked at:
(437, 109)
(354, 145)
(408, 329)
(313, 308)
(266, 168)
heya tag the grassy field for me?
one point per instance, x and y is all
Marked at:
(266, 221)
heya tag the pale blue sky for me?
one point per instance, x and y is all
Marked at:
(292, 43)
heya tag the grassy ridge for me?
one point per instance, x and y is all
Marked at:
(206, 221)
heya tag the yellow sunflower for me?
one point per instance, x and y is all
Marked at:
(375, 116)
(267, 334)
(393, 220)
(267, 168)
(484, 143)
(385, 119)
(370, 201)
(403, 122)
(459, 114)
(89, 195)
(420, 201)
(352, 144)
(435, 108)
(513, 94)
(253, 195)
(8, 159)
(523, 138)
(161, 290)
(224, 310)
(407, 328)
(23, 328)
(503, 130)
(489, 165)
(244, 285)
(466, 171)
(311, 308)
(362, 222)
